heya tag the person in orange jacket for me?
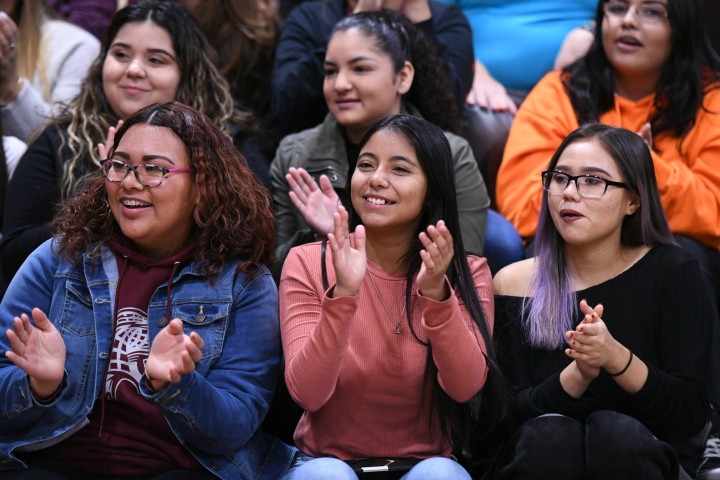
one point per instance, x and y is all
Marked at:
(651, 69)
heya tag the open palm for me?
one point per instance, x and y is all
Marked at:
(316, 204)
(38, 349)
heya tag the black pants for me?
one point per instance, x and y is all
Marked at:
(609, 446)
(51, 469)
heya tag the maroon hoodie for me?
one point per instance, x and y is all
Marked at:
(127, 434)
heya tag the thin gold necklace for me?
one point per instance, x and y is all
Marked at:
(396, 325)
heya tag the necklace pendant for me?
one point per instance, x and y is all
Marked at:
(397, 330)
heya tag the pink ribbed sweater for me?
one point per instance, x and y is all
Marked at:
(361, 385)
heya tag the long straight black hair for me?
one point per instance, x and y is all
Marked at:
(458, 421)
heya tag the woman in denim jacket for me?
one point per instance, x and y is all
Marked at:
(153, 350)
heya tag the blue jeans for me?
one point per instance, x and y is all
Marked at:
(306, 467)
(503, 243)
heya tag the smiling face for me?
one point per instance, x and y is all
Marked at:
(158, 219)
(637, 49)
(361, 86)
(590, 221)
(140, 68)
(388, 185)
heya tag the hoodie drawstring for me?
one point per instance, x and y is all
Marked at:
(174, 270)
(103, 393)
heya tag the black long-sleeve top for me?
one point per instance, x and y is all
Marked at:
(659, 309)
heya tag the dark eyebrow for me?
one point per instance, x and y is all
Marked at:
(584, 171)
(151, 50)
(145, 158)
(359, 58)
(394, 158)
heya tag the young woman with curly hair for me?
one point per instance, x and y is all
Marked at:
(150, 305)
(154, 52)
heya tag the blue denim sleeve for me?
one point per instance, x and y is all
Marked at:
(31, 287)
(222, 408)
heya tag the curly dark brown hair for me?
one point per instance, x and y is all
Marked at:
(233, 218)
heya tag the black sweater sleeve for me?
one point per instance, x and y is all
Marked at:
(660, 310)
(31, 200)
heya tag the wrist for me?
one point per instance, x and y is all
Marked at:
(574, 381)
(339, 291)
(437, 294)
(44, 391)
(617, 372)
(617, 358)
(155, 385)
(11, 91)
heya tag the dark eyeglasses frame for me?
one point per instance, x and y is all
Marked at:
(134, 169)
(574, 178)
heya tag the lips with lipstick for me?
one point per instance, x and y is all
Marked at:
(570, 215)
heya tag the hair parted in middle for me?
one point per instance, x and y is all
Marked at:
(397, 37)
(434, 156)
(86, 120)
(692, 69)
(232, 220)
(553, 307)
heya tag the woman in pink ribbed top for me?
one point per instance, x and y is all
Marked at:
(386, 359)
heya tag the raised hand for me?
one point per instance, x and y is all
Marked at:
(317, 205)
(10, 84)
(350, 262)
(646, 134)
(172, 355)
(488, 93)
(368, 6)
(104, 148)
(39, 351)
(436, 258)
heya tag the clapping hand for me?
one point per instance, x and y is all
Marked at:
(436, 258)
(317, 205)
(39, 351)
(591, 344)
(350, 262)
(172, 354)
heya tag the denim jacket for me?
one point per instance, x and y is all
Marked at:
(215, 412)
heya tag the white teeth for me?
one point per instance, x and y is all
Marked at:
(134, 203)
(377, 201)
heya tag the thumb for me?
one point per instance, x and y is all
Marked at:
(175, 327)
(41, 320)
(326, 185)
(360, 238)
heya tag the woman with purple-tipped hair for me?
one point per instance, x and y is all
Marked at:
(605, 333)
